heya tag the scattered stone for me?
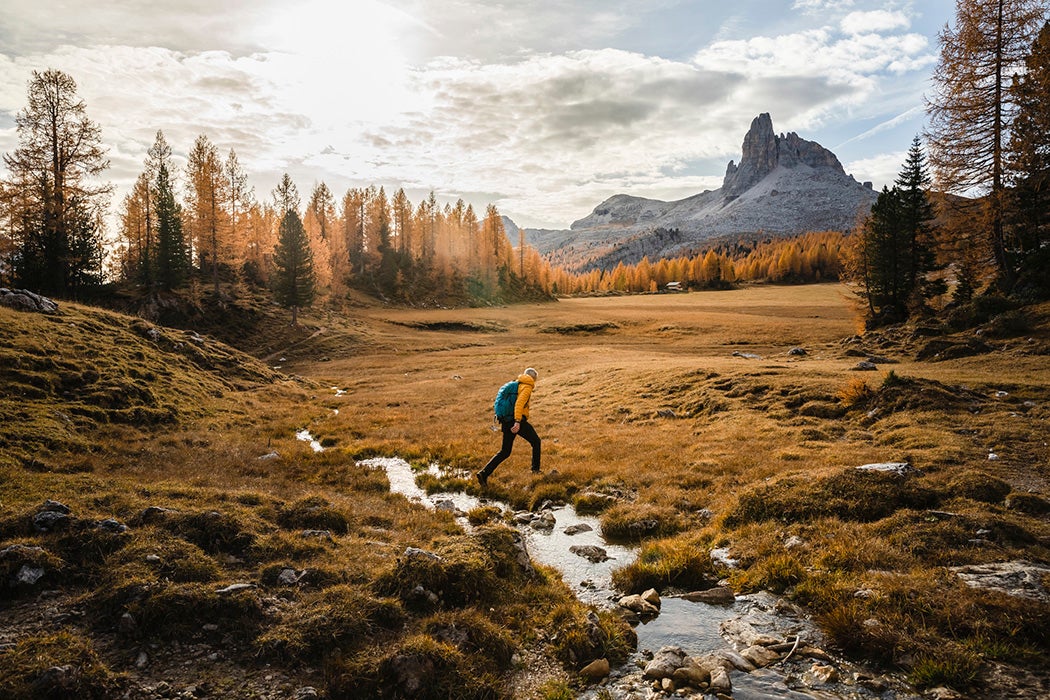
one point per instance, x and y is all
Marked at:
(794, 542)
(235, 588)
(142, 660)
(742, 631)
(111, 525)
(820, 674)
(288, 577)
(652, 597)
(320, 534)
(719, 595)
(1018, 578)
(865, 366)
(56, 507)
(664, 663)
(636, 603)
(445, 505)
(416, 553)
(596, 670)
(797, 352)
(50, 520)
(423, 596)
(760, 656)
(545, 521)
(590, 552)
(577, 529)
(268, 456)
(721, 557)
(720, 681)
(747, 355)
(666, 413)
(942, 693)
(898, 468)
(153, 559)
(28, 575)
(307, 693)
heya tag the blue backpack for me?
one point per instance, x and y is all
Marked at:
(506, 397)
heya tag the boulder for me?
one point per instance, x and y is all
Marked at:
(25, 300)
(577, 529)
(720, 681)
(636, 603)
(664, 663)
(596, 670)
(760, 656)
(590, 552)
(719, 595)
(652, 597)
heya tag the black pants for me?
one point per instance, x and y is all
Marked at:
(526, 431)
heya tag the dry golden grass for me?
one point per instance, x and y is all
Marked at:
(656, 402)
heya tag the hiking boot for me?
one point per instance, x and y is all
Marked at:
(483, 478)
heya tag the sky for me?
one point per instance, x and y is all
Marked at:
(544, 108)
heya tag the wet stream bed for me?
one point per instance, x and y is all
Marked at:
(694, 629)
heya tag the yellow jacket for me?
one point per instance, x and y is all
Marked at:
(525, 386)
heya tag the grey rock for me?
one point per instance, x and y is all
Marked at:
(865, 366)
(50, 520)
(235, 588)
(55, 507)
(1019, 578)
(416, 553)
(111, 525)
(28, 575)
(596, 670)
(898, 468)
(577, 529)
(307, 693)
(590, 552)
(719, 595)
(797, 352)
(25, 300)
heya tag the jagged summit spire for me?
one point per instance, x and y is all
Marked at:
(764, 151)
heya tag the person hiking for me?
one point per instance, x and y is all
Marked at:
(514, 422)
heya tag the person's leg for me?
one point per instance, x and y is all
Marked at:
(504, 452)
(529, 433)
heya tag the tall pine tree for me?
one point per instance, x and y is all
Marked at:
(293, 280)
(173, 259)
(1029, 164)
(893, 248)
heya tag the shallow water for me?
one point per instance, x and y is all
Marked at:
(692, 626)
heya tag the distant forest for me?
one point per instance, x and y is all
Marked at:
(986, 152)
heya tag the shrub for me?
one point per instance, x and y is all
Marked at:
(337, 619)
(948, 665)
(461, 571)
(979, 486)
(776, 573)
(54, 667)
(313, 513)
(681, 563)
(852, 494)
(630, 522)
(590, 503)
(1028, 503)
(855, 392)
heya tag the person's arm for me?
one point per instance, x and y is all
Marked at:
(524, 392)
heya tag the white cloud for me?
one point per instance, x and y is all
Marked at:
(875, 21)
(883, 167)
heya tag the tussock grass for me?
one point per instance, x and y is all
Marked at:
(646, 416)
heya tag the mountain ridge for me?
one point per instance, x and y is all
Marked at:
(784, 185)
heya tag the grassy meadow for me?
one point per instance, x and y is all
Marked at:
(682, 418)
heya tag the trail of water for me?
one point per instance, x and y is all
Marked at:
(696, 628)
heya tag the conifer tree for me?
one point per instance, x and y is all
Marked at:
(1029, 156)
(172, 253)
(972, 111)
(293, 278)
(53, 210)
(893, 249)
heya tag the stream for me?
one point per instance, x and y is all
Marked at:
(694, 628)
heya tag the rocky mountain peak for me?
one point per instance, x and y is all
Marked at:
(764, 151)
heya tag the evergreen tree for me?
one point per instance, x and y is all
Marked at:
(54, 214)
(293, 278)
(173, 262)
(972, 111)
(893, 248)
(1029, 159)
